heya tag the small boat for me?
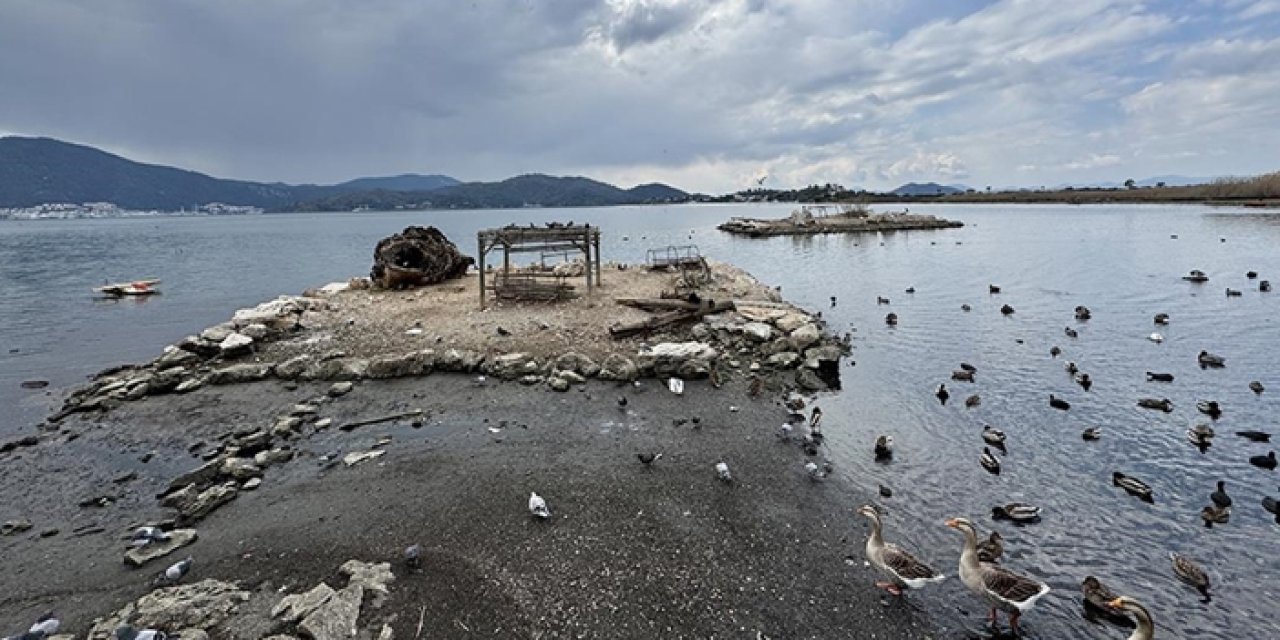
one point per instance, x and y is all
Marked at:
(1196, 275)
(135, 288)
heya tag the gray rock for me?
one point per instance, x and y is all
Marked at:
(253, 442)
(14, 527)
(304, 410)
(789, 322)
(336, 618)
(236, 343)
(240, 373)
(274, 456)
(571, 377)
(293, 608)
(510, 366)
(577, 363)
(166, 380)
(805, 336)
(200, 476)
(415, 363)
(671, 358)
(189, 385)
(558, 383)
(286, 426)
(178, 538)
(293, 368)
(339, 389)
(618, 367)
(809, 381)
(251, 484)
(175, 357)
(217, 333)
(336, 369)
(240, 469)
(257, 331)
(530, 380)
(190, 607)
(757, 331)
(459, 361)
(784, 360)
(373, 577)
(202, 504)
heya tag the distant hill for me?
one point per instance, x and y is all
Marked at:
(404, 182)
(926, 189)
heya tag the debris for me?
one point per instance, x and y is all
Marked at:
(351, 426)
(356, 457)
(417, 256)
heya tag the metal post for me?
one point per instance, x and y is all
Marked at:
(586, 250)
(480, 246)
(595, 238)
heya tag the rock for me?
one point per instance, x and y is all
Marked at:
(240, 469)
(166, 380)
(189, 385)
(14, 527)
(200, 605)
(789, 322)
(236, 343)
(509, 366)
(274, 456)
(753, 367)
(373, 577)
(805, 336)
(339, 389)
(49, 533)
(618, 367)
(577, 363)
(415, 363)
(175, 357)
(178, 538)
(809, 380)
(335, 619)
(286, 426)
(293, 368)
(386, 633)
(200, 476)
(571, 377)
(784, 360)
(217, 333)
(240, 373)
(824, 353)
(459, 361)
(280, 314)
(356, 457)
(322, 424)
(759, 314)
(758, 331)
(558, 383)
(251, 484)
(336, 369)
(677, 358)
(256, 331)
(205, 502)
(252, 442)
(293, 608)
(24, 441)
(530, 380)
(304, 410)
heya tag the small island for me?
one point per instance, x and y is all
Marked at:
(816, 219)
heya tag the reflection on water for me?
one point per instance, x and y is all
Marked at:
(1119, 261)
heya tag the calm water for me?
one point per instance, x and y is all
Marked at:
(1120, 261)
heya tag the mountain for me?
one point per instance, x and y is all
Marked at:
(912, 189)
(521, 191)
(403, 182)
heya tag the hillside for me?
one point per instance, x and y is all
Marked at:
(926, 189)
(404, 182)
(521, 191)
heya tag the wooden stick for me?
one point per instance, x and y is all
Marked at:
(421, 615)
(364, 423)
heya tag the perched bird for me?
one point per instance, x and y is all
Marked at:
(413, 557)
(891, 319)
(1256, 386)
(1058, 403)
(1233, 293)
(128, 632)
(1019, 512)
(784, 432)
(962, 376)
(1071, 333)
(538, 506)
(991, 549)
(973, 401)
(942, 394)
(1162, 404)
(993, 436)
(1146, 628)
(991, 288)
(1084, 381)
(1004, 590)
(1134, 486)
(1215, 515)
(1255, 436)
(966, 307)
(1091, 433)
(1209, 408)
(1162, 318)
(1159, 377)
(1220, 497)
(911, 289)
(902, 568)
(1264, 462)
(649, 458)
(1156, 337)
(884, 447)
(1055, 351)
(1207, 359)
(989, 461)
(143, 536)
(1251, 274)
(174, 574)
(1189, 572)
(722, 472)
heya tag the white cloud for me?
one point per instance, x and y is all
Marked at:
(1093, 161)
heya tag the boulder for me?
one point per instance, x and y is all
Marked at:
(189, 385)
(415, 363)
(577, 363)
(293, 368)
(668, 358)
(791, 321)
(236, 343)
(166, 380)
(618, 367)
(804, 336)
(286, 426)
(757, 331)
(571, 377)
(240, 373)
(240, 469)
(558, 383)
(281, 314)
(256, 331)
(784, 360)
(510, 366)
(759, 314)
(295, 607)
(336, 369)
(190, 607)
(339, 389)
(335, 619)
(373, 577)
(175, 357)
(178, 538)
(253, 442)
(200, 476)
(217, 333)
(530, 380)
(205, 502)
(274, 456)
(808, 380)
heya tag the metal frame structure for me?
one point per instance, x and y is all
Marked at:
(552, 238)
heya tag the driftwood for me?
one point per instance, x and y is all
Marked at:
(668, 319)
(351, 426)
(659, 304)
(417, 256)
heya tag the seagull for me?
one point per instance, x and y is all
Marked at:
(143, 536)
(722, 472)
(413, 557)
(128, 632)
(1156, 338)
(538, 506)
(649, 458)
(784, 432)
(816, 473)
(174, 573)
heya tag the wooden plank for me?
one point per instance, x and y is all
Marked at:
(666, 320)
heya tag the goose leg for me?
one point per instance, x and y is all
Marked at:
(1013, 623)
(890, 587)
(993, 618)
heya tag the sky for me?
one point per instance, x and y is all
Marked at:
(706, 95)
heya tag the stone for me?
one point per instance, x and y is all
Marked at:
(240, 373)
(256, 331)
(24, 441)
(459, 361)
(295, 607)
(14, 527)
(571, 377)
(809, 380)
(253, 442)
(618, 367)
(322, 424)
(671, 358)
(372, 577)
(166, 380)
(304, 410)
(293, 368)
(356, 457)
(558, 383)
(175, 357)
(759, 314)
(236, 343)
(757, 331)
(414, 363)
(286, 426)
(189, 607)
(577, 363)
(251, 484)
(336, 618)
(279, 314)
(509, 366)
(784, 360)
(240, 469)
(805, 336)
(336, 369)
(530, 380)
(178, 538)
(274, 456)
(205, 502)
(200, 476)
(189, 385)
(789, 322)
(217, 333)
(339, 389)
(386, 633)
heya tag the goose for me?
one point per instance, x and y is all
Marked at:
(1058, 403)
(1207, 359)
(1162, 318)
(1071, 333)
(942, 393)
(1156, 337)
(902, 568)
(1006, 310)
(1209, 408)
(538, 506)
(1071, 367)
(1004, 590)
(991, 549)
(648, 458)
(722, 472)
(968, 367)
(1055, 351)
(989, 461)
(1215, 515)
(1019, 512)
(1256, 386)
(960, 375)
(1264, 462)
(881, 300)
(1163, 404)
(1189, 572)
(1083, 313)
(1091, 433)
(992, 288)
(1255, 436)
(1134, 486)
(1084, 381)
(1097, 601)
(1159, 377)
(1201, 435)
(1233, 293)
(966, 307)
(1146, 628)
(1264, 286)
(973, 401)
(1251, 274)
(993, 436)
(884, 447)
(891, 319)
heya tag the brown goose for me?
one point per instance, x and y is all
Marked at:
(902, 568)
(1189, 572)
(991, 549)
(1004, 590)
(1146, 628)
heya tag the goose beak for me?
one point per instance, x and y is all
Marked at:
(1118, 603)
(952, 523)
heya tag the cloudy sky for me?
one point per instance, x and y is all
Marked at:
(705, 95)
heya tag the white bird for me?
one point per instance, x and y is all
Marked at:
(174, 573)
(901, 567)
(143, 536)
(722, 471)
(128, 632)
(784, 432)
(1004, 590)
(1156, 337)
(816, 473)
(538, 506)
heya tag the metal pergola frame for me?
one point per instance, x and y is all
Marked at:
(553, 238)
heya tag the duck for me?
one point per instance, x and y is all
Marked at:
(1156, 337)
(1058, 403)
(648, 458)
(1255, 436)
(1152, 376)
(891, 319)
(910, 289)
(1019, 512)
(1162, 318)
(1212, 515)
(1071, 368)
(1264, 462)
(989, 461)
(993, 288)
(1055, 351)
(885, 492)
(1083, 313)
(1146, 628)
(1189, 572)
(903, 569)
(968, 367)
(1134, 486)
(973, 401)
(1084, 381)
(1271, 506)
(1163, 404)
(1091, 433)
(942, 393)
(1264, 286)
(993, 436)
(884, 447)
(966, 307)
(991, 549)
(1003, 589)
(1006, 310)
(1233, 293)
(1097, 601)
(1251, 274)
(1256, 387)
(881, 300)
(960, 375)
(1209, 408)
(1201, 435)
(1207, 359)
(1071, 333)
